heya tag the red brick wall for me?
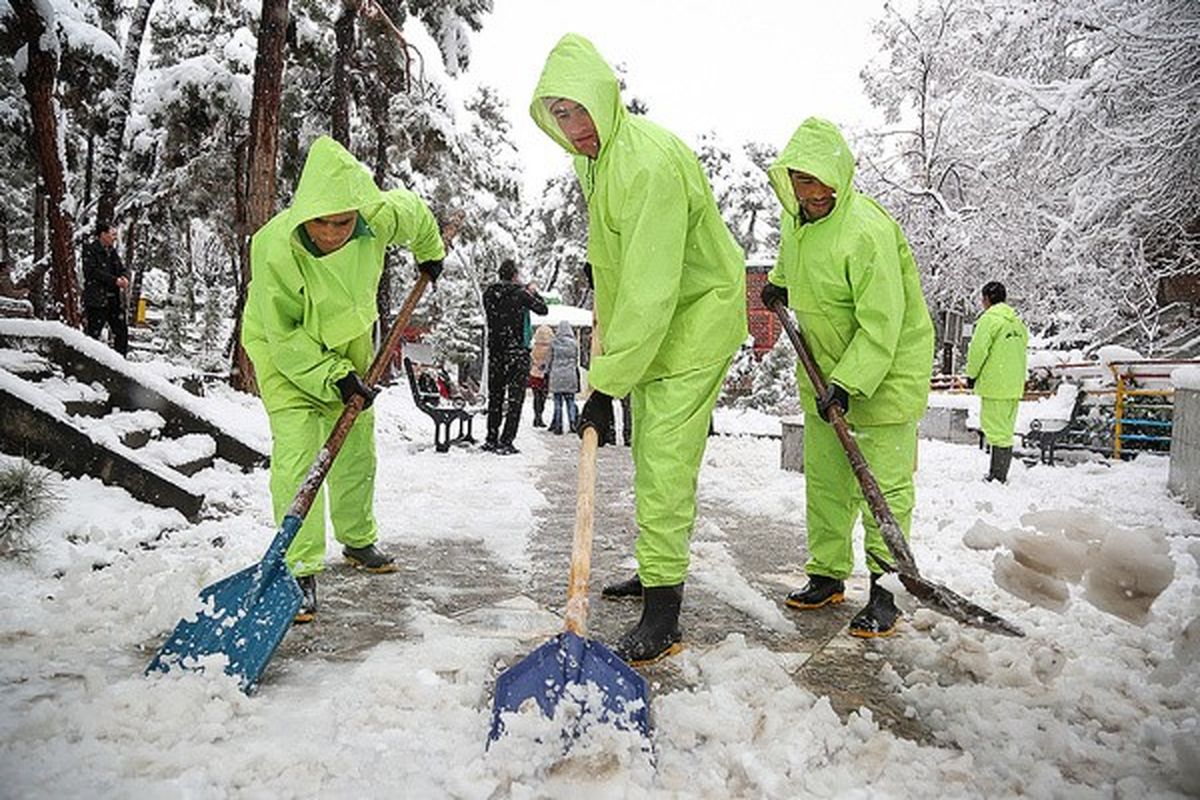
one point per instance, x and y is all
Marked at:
(764, 326)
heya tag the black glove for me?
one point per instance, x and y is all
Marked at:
(772, 293)
(431, 268)
(353, 385)
(833, 394)
(598, 413)
(970, 383)
(587, 275)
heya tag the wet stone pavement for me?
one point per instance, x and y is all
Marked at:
(359, 610)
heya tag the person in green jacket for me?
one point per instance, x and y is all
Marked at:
(670, 284)
(315, 268)
(846, 270)
(996, 371)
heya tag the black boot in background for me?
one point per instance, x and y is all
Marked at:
(879, 616)
(657, 634)
(1001, 459)
(628, 589)
(308, 603)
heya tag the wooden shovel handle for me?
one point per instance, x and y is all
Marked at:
(585, 514)
(581, 545)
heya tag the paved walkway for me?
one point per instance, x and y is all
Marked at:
(743, 566)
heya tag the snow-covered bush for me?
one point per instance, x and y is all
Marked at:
(767, 383)
(26, 497)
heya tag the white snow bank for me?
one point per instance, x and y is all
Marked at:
(236, 424)
(1186, 378)
(745, 421)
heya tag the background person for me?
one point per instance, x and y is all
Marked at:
(104, 278)
(996, 362)
(507, 304)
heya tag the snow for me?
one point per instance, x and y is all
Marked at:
(1186, 378)
(212, 410)
(1114, 353)
(577, 317)
(746, 422)
(1087, 705)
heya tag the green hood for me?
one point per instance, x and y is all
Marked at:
(332, 181)
(575, 70)
(817, 147)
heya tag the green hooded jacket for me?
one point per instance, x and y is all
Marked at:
(853, 284)
(997, 354)
(306, 316)
(670, 278)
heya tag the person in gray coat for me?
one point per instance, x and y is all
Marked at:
(562, 376)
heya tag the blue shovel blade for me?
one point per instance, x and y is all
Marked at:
(565, 662)
(244, 616)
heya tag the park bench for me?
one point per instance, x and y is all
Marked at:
(433, 397)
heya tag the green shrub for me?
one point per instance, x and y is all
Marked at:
(26, 498)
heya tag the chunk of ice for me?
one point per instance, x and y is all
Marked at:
(1130, 571)
(1033, 587)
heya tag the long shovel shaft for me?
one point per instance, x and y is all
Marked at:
(889, 527)
(581, 544)
(337, 437)
(585, 515)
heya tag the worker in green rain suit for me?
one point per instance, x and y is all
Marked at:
(671, 307)
(996, 371)
(846, 270)
(315, 269)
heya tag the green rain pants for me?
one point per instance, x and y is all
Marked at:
(297, 436)
(834, 498)
(998, 419)
(671, 418)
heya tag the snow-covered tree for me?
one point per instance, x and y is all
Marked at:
(1034, 143)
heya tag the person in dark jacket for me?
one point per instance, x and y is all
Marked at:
(104, 277)
(507, 303)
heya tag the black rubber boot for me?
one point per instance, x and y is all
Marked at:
(820, 591)
(308, 604)
(629, 589)
(879, 616)
(1001, 459)
(369, 558)
(657, 633)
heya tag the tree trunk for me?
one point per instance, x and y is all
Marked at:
(89, 164)
(343, 29)
(41, 72)
(264, 142)
(118, 113)
(36, 279)
(383, 296)
(135, 272)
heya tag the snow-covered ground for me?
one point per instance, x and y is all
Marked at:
(1087, 705)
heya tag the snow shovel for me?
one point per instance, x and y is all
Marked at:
(935, 596)
(245, 616)
(570, 664)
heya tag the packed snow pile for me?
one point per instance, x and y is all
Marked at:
(1186, 378)
(1122, 570)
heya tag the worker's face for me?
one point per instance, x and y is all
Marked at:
(331, 232)
(815, 198)
(576, 124)
(108, 237)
